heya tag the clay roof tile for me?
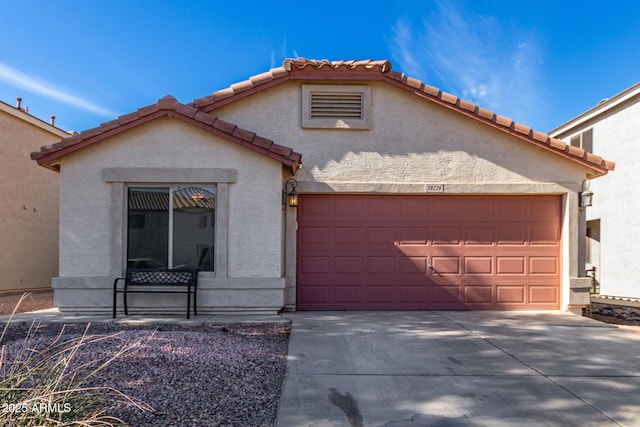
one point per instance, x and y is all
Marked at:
(205, 118)
(540, 136)
(486, 114)
(504, 121)
(126, 118)
(556, 143)
(520, 128)
(447, 97)
(149, 109)
(224, 126)
(466, 105)
(242, 86)
(243, 134)
(261, 78)
(107, 126)
(187, 110)
(167, 103)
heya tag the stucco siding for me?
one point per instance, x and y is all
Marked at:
(29, 211)
(616, 136)
(410, 141)
(254, 199)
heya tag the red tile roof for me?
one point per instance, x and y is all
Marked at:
(380, 70)
(170, 107)
(310, 70)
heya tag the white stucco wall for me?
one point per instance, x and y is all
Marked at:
(410, 141)
(616, 137)
(254, 200)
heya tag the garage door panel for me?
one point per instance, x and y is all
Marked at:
(543, 294)
(511, 208)
(412, 265)
(445, 294)
(373, 252)
(414, 208)
(479, 208)
(510, 265)
(544, 235)
(316, 209)
(544, 208)
(510, 294)
(315, 265)
(478, 265)
(413, 235)
(314, 294)
(512, 235)
(380, 208)
(314, 235)
(378, 265)
(443, 208)
(347, 294)
(445, 265)
(543, 265)
(478, 294)
(347, 265)
(344, 207)
(479, 235)
(381, 235)
(413, 294)
(446, 235)
(347, 235)
(380, 294)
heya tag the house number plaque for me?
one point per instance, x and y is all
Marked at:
(434, 188)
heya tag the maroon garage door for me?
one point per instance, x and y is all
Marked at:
(428, 252)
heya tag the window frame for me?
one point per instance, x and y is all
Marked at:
(119, 178)
(170, 238)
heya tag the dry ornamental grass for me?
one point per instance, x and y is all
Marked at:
(104, 375)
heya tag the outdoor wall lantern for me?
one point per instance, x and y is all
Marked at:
(291, 197)
(586, 196)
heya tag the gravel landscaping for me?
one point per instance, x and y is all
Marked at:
(191, 376)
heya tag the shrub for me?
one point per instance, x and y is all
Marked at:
(50, 385)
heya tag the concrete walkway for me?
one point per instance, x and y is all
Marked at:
(409, 369)
(53, 315)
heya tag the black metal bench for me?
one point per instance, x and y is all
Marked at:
(158, 280)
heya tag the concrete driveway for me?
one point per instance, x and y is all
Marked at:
(401, 369)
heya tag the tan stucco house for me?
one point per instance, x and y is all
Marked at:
(29, 211)
(612, 128)
(409, 198)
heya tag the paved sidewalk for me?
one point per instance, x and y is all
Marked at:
(409, 369)
(53, 315)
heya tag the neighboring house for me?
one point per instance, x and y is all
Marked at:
(612, 129)
(409, 198)
(29, 211)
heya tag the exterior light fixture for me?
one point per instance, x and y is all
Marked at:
(586, 196)
(290, 197)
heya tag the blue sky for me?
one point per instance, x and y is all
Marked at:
(538, 62)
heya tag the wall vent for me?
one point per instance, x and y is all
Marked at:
(336, 106)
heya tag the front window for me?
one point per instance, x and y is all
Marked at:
(171, 227)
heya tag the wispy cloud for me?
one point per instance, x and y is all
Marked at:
(473, 56)
(277, 58)
(32, 84)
